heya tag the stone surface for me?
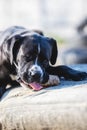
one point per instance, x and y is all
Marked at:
(62, 107)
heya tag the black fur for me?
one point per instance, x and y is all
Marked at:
(18, 52)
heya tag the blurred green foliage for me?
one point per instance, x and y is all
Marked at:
(59, 39)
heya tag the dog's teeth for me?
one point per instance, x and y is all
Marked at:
(24, 85)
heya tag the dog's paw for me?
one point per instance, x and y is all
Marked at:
(53, 81)
(78, 76)
(82, 75)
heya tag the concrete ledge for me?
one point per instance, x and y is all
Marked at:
(62, 107)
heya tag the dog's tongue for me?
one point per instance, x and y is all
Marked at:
(35, 86)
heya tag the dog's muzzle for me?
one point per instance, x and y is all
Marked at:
(32, 76)
(35, 73)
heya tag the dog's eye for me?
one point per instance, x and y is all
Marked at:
(27, 58)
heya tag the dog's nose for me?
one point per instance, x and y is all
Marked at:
(35, 73)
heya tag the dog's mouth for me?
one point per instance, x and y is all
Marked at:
(34, 85)
(53, 80)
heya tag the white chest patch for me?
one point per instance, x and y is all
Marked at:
(36, 68)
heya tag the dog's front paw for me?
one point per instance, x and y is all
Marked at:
(78, 76)
(82, 75)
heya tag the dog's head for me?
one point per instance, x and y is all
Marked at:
(31, 54)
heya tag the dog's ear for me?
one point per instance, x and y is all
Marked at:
(39, 32)
(15, 43)
(54, 51)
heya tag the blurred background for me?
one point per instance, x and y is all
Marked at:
(65, 20)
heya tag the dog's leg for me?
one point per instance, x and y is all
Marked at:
(67, 73)
(2, 90)
(6, 81)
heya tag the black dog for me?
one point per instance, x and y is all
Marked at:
(26, 55)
